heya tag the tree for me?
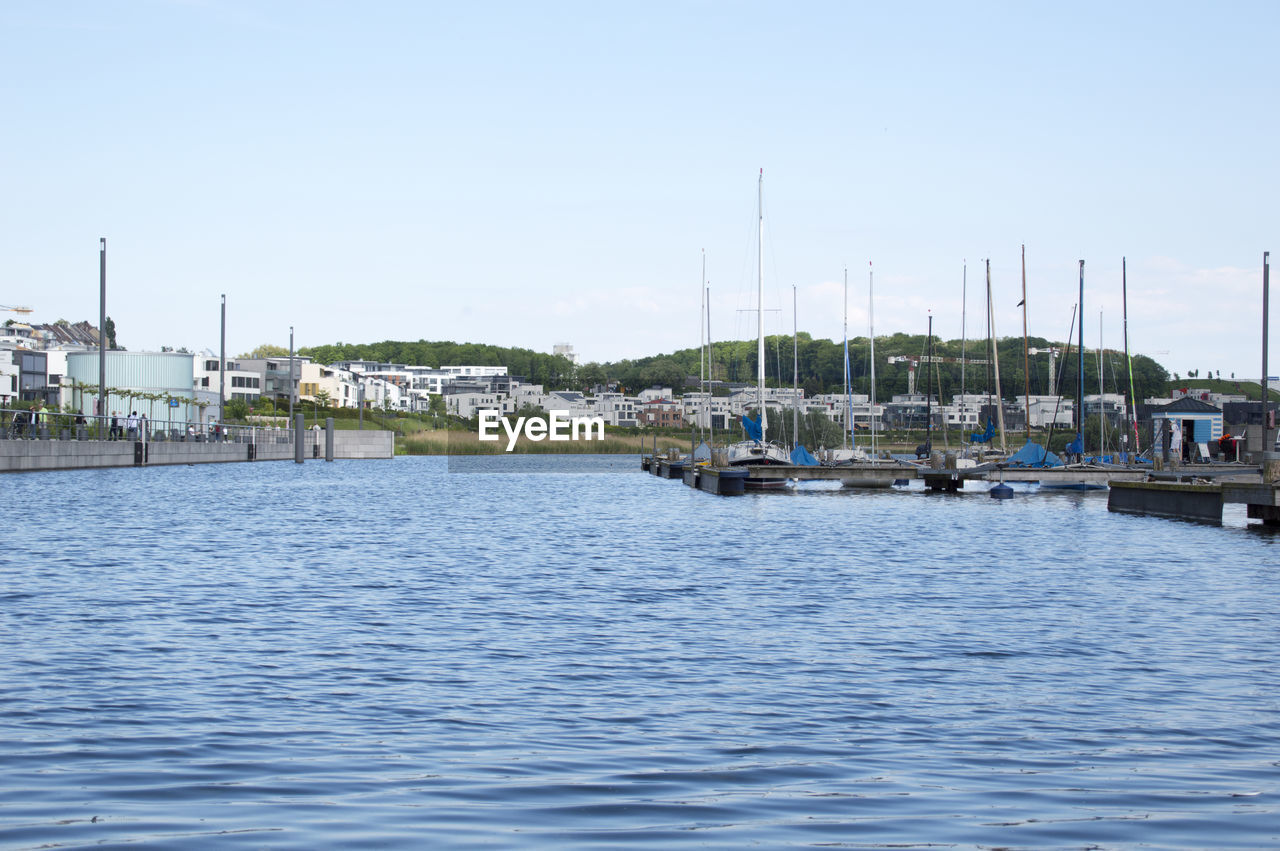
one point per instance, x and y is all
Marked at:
(266, 350)
(109, 329)
(235, 409)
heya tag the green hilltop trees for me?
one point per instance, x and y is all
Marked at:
(821, 365)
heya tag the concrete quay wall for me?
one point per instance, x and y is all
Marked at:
(18, 456)
(362, 444)
(1167, 499)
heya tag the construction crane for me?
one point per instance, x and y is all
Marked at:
(1053, 373)
(911, 366)
(15, 309)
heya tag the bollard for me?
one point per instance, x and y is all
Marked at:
(1270, 467)
(328, 439)
(299, 437)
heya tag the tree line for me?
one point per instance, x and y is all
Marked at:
(821, 366)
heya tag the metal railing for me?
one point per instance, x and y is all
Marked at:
(49, 424)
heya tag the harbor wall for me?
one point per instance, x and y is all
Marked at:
(18, 456)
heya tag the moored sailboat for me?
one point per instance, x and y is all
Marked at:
(756, 447)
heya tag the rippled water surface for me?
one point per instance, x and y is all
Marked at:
(386, 654)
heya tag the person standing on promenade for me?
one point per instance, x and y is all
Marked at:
(37, 410)
(131, 425)
(115, 432)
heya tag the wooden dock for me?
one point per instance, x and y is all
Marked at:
(1186, 493)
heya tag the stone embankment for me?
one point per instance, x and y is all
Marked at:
(31, 455)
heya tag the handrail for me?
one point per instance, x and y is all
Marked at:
(52, 424)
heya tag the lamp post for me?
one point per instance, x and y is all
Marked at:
(102, 327)
(290, 373)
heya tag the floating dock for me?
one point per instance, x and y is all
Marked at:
(1181, 493)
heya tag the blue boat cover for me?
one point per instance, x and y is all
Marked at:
(1075, 447)
(702, 453)
(984, 437)
(752, 428)
(801, 457)
(1034, 455)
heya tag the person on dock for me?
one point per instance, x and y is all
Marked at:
(131, 425)
(115, 432)
(37, 412)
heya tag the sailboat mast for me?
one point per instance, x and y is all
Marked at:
(795, 373)
(995, 359)
(848, 403)
(1266, 313)
(1102, 434)
(1026, 355)
(702, 337)
(871, 333)
(1080, 367)
(764, 420)
(964, 303)
(1133, 399)
(711, 380)
(928, 393)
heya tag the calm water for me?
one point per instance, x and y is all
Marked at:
(385, 654)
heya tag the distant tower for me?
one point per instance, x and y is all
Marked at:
(565, 349)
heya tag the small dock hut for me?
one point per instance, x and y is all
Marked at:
(1185, 424)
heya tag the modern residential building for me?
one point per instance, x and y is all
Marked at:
(664, 413)
(242, 382)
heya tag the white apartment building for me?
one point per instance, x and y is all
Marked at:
(653, 394)
(382, 393)
(838, 407)
(468, 405)
(705, 411)
(1110, 405)
(617, 409)
(243, 382)
(1049, 411)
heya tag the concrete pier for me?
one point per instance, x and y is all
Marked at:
(1167, 499)
(1261, 500)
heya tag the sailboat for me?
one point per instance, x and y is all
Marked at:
(847, 454)
(756, 448)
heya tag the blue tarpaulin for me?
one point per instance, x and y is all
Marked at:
(1075, 447)
(1034, 455)
(801, 457)
(752, 428)
(984, 437)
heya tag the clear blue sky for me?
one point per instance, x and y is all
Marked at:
(530, 173)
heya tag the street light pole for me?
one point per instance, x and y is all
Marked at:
(290, 374)
(102, 331)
